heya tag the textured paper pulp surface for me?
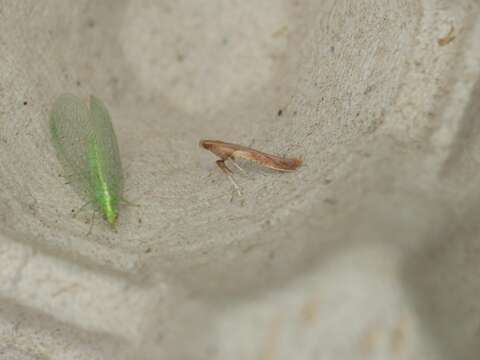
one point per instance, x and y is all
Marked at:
(370, 251)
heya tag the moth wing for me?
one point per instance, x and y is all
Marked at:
(71, 129)
(106, 142)
(267, 160)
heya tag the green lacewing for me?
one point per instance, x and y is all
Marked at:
(87, 149)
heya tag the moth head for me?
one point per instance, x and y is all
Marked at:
(206, 144)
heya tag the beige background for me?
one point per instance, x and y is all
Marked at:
(370, 251)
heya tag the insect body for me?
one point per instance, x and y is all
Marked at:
(87, 149)
(226, 151)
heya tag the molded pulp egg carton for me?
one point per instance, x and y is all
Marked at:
(371, 250)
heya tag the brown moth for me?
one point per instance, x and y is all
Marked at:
(227, 151)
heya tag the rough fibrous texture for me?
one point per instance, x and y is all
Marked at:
(369, 250)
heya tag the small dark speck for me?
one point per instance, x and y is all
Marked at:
(79, 83)
(271, 255)
(248, 248)
(91, 23)
(358, 114)
(148, 250)
(332, 49)
(180, 57)
(73, 210)
(160, 337)
(330, 201)
(139, 220)
(280, 112)
(294, 113)
(25, 103)
(368, 89)
(327, 181)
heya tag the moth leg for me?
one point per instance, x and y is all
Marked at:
(81, 208)
(232, 159)
(229, 174)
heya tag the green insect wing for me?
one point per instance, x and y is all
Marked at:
(88, 151)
